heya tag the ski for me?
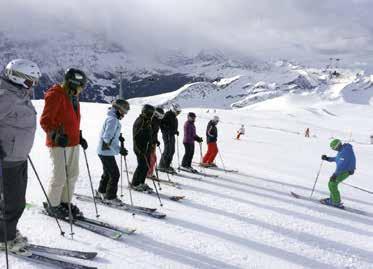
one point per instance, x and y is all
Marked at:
(197, 173)
(51, 262)
(217, 168)
(164, 181)
(62, 252)
(345, 208)
(188, 176)
(123, 207)
(108, 225)
(164, 196)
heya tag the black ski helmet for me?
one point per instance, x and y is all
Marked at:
(192, 115)
(148, 110)
(75, 78)
(159, 112)
(121, 105)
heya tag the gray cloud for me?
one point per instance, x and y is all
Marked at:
(265, 28)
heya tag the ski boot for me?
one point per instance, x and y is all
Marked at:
(17, 246)
(114, 201)
(56, 211)
(75, 211)
(328, 201)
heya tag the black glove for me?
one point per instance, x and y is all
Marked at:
(2, 152)
(333, 178)
(177, 133)
(60, 140)
(199, 139)
(105, 146)
(351, 172)
(324, 157)
(121, 139)
(123, 151)
(157, 143)
(83, 142)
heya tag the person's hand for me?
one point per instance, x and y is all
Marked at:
(60, 140)
(105, 146)
(324, 157)
(351, 172)
(2, 152)
(199, 139)
(121, 138)
(333, 178)
(83, 142)
(123, 151)
(158, 143)
(177, 133)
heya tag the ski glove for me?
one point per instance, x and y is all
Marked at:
(199, 139)
(177, 133)
(60, 140)
(157, 143)
(83, 142)
(324, 157)
(105, 146)
(2, 152)
(351, 172)
(123, 151)
(333, 178)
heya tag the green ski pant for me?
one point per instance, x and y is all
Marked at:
(333, 187)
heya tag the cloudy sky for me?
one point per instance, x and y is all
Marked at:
(262, 28)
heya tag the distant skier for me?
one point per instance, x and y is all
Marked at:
(142, 138)
(307, 132)
(155, 124)
(240, 132)
(61, 122)
(346, 165)
(17, 133)
(211, 138)
(189, 137)
(169, 128)
(108, 147)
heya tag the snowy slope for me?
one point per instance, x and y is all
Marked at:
(244, 220)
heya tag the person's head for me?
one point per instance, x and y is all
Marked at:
(148, 111)
(215, 119)
(336, 144)
(192, 116)
(121, 107)
(242, 126)
(74, 81)
(23, 73)
(159, 113)
(176, 108)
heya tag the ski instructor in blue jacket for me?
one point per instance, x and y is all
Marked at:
(346, 165)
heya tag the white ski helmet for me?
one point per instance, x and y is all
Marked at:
(215, 118)
(23, 72)
(176, 108)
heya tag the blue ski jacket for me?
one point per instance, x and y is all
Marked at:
(110, 134)
(345, 160)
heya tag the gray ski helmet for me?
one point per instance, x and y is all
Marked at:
(148, 110)
(159, 112)
(121, 105)
(75, 78)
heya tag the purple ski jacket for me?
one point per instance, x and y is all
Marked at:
(189, 132)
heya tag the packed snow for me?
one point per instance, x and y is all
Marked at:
(238, 220)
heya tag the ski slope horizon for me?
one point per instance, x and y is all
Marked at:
(238, 220)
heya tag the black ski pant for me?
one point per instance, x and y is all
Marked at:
(188, 155)
(110, 177)
(15, 183)
(169, 150)
(141, 171)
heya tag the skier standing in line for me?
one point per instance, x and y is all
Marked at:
(155, 123)
(307, 132)
(189, 137)
(142, 138)
(61, 123)
(108, 147)
(17, 133)
(240, 132)
(346, 165)
(169, 128)
(211, 138)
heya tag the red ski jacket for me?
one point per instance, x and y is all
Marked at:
(59, 114)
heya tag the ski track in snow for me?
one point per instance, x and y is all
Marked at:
(238, 220)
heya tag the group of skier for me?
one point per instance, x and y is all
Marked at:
(60, 120)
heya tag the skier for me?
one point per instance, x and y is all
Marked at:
(189, 137)
(307, 132)
(211, 138)
(155, 123)
(240, 132)
(17, 132)
(61, 123)
(108, 147)
(169, 128)
(142, 138)
(346, 165)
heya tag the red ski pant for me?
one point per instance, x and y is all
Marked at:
(212, 151)
(152, 162)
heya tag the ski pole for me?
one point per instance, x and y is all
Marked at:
(156, 169)
(317, 177)
(121, 139)
(68, 195)
(222, 162)
(155, 186)
(45, 193)
(90, 181)
(200, 152)
(356, 187)
(3, 212)
(178, 153)
(128, 180)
